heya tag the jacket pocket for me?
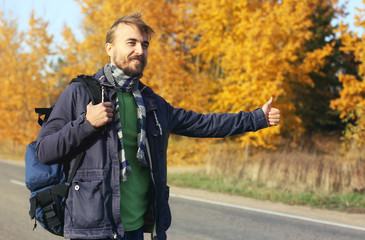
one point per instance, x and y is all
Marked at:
(87, 204)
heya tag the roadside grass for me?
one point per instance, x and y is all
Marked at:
(316, 173)
(9, 151)
(349, 202)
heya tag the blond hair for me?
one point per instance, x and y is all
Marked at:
(133, 19)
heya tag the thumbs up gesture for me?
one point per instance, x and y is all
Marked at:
(272, 114)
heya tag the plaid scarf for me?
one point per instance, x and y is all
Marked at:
(125, 83)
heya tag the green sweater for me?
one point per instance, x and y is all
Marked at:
(133, 196)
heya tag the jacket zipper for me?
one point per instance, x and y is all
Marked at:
(102, 93)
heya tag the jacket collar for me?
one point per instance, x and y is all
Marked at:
(149, 97)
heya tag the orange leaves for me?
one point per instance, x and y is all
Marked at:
(24, 71)
(256, 48)
(351, 102)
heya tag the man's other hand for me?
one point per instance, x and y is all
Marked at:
(272, 114)
(100, 114)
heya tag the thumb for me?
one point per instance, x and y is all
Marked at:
(89, 105)
(268, 104)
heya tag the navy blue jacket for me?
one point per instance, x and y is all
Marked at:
(93, 205)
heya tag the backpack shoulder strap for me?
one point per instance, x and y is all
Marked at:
(43, 112)
(92, 86)
(76, 165)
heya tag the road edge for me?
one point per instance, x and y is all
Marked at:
(352, 219)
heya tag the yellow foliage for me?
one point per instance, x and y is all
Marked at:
(24, 78)
(351, 102)
(252, 49)
(185, 151)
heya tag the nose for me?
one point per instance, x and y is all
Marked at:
(138, 49)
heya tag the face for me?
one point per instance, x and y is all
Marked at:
(129, 49)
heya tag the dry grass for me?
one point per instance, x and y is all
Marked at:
(12, 151)
(312, 166)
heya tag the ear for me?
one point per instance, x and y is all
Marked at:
(108, 49)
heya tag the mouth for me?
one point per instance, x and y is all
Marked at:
(136, 59)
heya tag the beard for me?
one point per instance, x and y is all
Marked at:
(133, 70)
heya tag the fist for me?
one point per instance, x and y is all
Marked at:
(100, 114)
(272, 114)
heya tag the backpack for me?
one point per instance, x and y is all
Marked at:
(48, 184)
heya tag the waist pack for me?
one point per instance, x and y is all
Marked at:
(49, 184)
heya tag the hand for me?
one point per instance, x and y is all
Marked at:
(100, 114)
(272, 114)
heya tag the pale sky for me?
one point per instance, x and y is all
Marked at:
(58, 12)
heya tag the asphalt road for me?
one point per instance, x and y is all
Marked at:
(192, 219)
(205, 221)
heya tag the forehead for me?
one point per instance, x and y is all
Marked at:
(127, 31)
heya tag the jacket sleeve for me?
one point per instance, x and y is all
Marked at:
(192, 124)
(67, 128)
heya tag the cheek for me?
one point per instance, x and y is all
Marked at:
(119, 52)
(113, 53)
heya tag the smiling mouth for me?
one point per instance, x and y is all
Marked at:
(136, 58)
(136, 61)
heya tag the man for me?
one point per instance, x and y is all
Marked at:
(120, 188)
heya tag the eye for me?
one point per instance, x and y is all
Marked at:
(145, 45)
(131, 43)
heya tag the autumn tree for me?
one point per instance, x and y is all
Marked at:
(351, 102)
(312, 101)
(253, 50)
(10, 41)
(25, 83)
